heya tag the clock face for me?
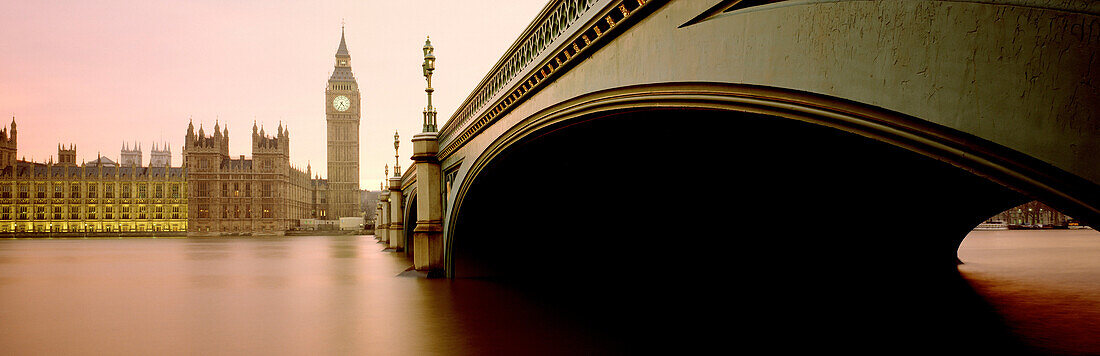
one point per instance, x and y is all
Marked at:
(341, 103)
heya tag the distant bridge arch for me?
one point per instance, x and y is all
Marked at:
(410, 216)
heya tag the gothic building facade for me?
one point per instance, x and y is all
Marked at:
(263, 194)
(131, 155)
(98, 196)
(160, 156)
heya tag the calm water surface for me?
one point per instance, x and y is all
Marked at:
(294, 295)
(1046, 284)
(343, 295)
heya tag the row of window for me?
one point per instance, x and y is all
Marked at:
(39, 227)
(92, 216)
(266, 163)
(91, 190)
(233, 190)
(236, 211)
(77, 212)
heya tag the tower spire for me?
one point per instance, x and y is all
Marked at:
(343, 49)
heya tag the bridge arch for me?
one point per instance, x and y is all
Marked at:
(862, 267)
(995, 163)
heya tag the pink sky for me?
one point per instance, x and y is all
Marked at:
(97, 73)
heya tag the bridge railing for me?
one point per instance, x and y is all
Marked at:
(531, 45)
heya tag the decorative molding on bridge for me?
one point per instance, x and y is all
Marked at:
(529, 59)
(408, 179)
(730, 7)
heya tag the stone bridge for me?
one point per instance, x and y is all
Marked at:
(644, 139)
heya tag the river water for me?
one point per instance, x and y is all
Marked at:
(294, 295)
(343, 295)
(1044, 283)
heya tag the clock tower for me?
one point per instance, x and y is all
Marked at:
(342, 118)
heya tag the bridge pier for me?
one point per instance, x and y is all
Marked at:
(428, 234)
(396, 225)
(378, 220)
(383, 229)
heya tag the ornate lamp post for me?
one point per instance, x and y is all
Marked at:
(429, 67)
(383, 227)
(396, 221)
(396, 158)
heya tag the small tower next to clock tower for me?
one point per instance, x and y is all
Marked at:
(342, 119)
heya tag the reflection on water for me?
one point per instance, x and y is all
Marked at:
(1045, 283)
(342, 295)
(300, 295)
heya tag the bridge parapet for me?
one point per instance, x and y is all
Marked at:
(555, 17)
(408, 179)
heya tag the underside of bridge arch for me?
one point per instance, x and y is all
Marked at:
(677, 226)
